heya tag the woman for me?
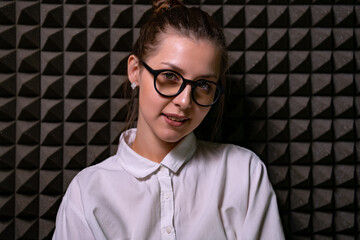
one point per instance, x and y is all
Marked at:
(163, 183)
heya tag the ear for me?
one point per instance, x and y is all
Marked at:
(133, 69)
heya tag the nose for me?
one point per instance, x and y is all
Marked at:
(183, 100)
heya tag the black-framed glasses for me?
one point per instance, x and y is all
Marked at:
(169, 83)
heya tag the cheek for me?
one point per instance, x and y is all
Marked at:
(148, 97)
(146, 89)
(201, 113)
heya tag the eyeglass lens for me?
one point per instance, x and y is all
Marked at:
(169, 83)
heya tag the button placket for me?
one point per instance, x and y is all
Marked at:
(167, 204)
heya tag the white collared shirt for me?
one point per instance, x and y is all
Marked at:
(200, 191)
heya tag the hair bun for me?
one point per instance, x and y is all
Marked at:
(162, 5)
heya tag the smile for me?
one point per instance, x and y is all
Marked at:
(175, 120)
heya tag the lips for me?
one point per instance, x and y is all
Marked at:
(175, 120)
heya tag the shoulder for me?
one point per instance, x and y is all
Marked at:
(225, 148)
(230, 155)
(92, 173)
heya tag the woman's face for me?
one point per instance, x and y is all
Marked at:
(169, 119)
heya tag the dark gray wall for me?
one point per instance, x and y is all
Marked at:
(295, 101)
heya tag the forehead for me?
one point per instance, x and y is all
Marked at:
(197, 56)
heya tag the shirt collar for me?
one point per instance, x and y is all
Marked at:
(141, 167)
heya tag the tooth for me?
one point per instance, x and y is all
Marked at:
(176, 119)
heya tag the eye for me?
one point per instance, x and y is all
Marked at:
(170, 76)
(203, 85)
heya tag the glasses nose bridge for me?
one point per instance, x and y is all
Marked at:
(187, 81)
(183, 86)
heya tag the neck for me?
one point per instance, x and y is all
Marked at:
(151, 147)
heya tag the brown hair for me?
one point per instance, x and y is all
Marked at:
(173, 15)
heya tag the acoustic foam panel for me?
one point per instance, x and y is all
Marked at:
(294, 100)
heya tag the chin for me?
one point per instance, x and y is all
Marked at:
(172, 136)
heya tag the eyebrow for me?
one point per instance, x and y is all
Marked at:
(178, 69)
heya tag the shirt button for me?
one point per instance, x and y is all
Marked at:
(166, 196)
(162, 169)
(168, 229)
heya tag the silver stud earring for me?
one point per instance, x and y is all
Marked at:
(133, 85)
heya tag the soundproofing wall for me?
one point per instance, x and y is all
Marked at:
(293, 98)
